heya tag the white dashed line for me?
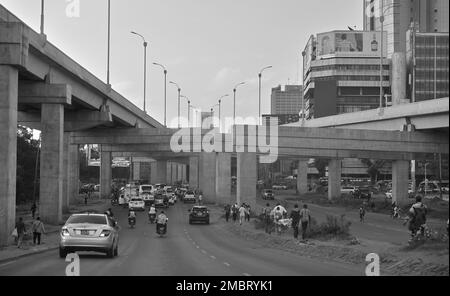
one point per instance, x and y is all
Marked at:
(213, 257)
(203, 251)
(246, 274)
(227, 264)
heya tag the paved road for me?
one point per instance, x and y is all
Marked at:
(187, 250)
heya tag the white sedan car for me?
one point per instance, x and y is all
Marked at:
(136, 204)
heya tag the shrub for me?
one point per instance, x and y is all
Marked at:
(333, 226)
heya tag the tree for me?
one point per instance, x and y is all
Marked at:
(27, 152)
(321, 165)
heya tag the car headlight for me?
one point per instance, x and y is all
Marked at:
(65, 232)
(105, 233)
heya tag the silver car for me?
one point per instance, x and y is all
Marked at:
(89, 232)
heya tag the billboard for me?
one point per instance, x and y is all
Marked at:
(350, 43)
(93, 158)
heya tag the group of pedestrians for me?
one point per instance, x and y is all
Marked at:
(235, 211)
(37, 229)
(272, 218)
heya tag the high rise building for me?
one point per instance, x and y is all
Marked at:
(286, 101)
(428, 16)
(342, 73)
(428, 65)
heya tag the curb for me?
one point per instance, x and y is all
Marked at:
(6, 260)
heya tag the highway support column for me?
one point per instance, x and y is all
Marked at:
(8, 150)
(334, 178)
(193, 172)
(223, 178)
(207, 176)
(400, 181)
(105, 174)
(246, 178)
(302, 176)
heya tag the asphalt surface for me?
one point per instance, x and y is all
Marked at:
(186, 250)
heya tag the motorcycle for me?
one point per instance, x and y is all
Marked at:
(131, 222)
(152, 218)
(161, 229)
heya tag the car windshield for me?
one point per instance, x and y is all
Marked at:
(190, 192)
(169, 190)
(136, 199)
(199, 210)
(89, 219)
(146, 188)
(269, 191)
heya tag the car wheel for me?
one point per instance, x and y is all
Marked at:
(110, 252)
(62, 253)
(207, 222)
(116, 250)
(190, 222)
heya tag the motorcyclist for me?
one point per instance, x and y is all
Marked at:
(131, 217)
(152, 214)
(417, 218)
(161, 220)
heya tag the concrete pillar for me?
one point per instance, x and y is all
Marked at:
(161, 172)
(136, 171)
(168, 173)
(207, 176)
(399, 76)
(246, 179)
(183, 173)
(400, 181)
(65, 182)
(105, 174)
(180, 173)
(223, 178)
(153, 172)
(193, 172)
(51, 180)
(73, 174)
(174, 173)
(334, 178)
(302, 176)
(8, 150)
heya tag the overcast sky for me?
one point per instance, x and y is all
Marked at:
(208, 46)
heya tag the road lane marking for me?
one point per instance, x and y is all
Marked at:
(213, 257)
(227, 264)
(246, 274)
(204, 252)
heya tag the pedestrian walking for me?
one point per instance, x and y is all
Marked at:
(20, 226)
(38, 229)
(33, 210)
(295, 216)
(305, 218)
(227, 212)
(247, 213)
(362, 214)
(234, 212)
(242, 213)
(267, 219)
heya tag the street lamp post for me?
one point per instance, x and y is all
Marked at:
(303, 89)
(165, 92)
(260, 76)
(189, 108)
(42, 17)
(145, 66)
(220, 110)
(109, 43)
(179, 96)
(234, 101)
